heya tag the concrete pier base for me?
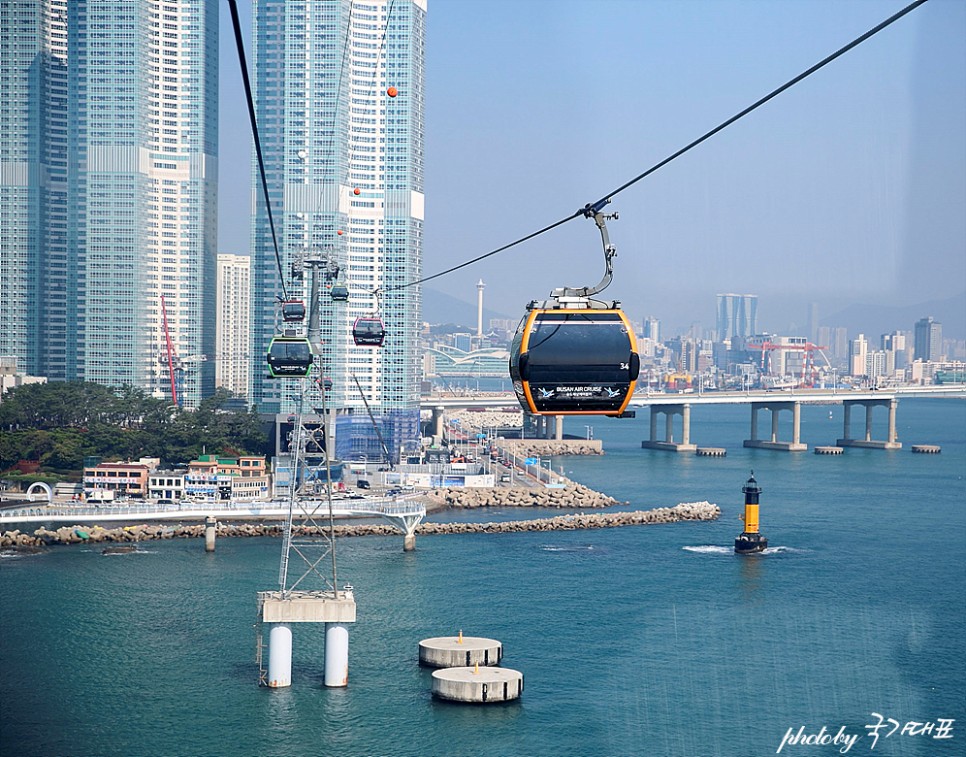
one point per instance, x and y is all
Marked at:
(892, 439)
(279, 656)
(457, 651)
(477, 685)
(211, 525)
(795, 445)
(336, 655)
(826, 450)
(668, 443)
(409, 542)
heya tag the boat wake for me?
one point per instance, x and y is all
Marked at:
(710, 549)
(550, 548)
(714, 549)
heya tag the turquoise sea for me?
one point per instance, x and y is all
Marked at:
(634, 641)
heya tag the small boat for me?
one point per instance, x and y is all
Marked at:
(125, 549)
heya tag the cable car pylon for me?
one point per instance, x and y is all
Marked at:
(310, 594)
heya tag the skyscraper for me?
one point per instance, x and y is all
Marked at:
(109, 140)
(232, 362)
(339, 92)
(737, 316)
(928, 343)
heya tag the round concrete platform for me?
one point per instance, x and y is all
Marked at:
(458, 651)
(479, 685)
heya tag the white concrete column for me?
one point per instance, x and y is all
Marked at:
(686, 424)
(892, 420)
(210, 525)
(336, 655)
(796, 423)
(668, 426)
(438, 421)
(558, 430)
(774, 424)
(868, 423)
(280, 656)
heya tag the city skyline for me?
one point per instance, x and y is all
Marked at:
(843, 190)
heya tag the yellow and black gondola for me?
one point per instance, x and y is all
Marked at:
(574, 361)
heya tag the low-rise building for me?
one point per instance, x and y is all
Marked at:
(123, 479)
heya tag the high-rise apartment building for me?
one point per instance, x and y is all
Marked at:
(339, 92)
(108, 138)
(858, 356)
(652, 329)
(928, 342)
(737, 316)
(233, 332)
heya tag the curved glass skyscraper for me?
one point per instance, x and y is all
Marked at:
(339, 100)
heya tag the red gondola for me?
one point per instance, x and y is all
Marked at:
(368, 331)
(293, 311)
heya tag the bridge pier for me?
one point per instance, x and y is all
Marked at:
(669, 411)
(279, 610)
(437, 423)
(211, 524)
(795, 445)
(891, 442)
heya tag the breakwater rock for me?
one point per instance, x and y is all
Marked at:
(551, 447)
(572, 496)
(690, 511)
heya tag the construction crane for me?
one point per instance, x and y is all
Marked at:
(808, 357)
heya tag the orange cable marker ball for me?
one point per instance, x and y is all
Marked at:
(392, 92)
(357, 191)
(339, 232)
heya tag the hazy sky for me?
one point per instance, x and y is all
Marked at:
(849, 187)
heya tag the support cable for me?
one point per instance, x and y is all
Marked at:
(590, 207)
(240, 46)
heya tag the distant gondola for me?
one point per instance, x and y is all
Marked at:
(339, 293)
(289, 357)
(293, 310)
(368, 331)
(574, 361)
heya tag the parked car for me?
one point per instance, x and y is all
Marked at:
(363, 484)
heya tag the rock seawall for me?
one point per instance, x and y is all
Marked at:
(571, 496)
(691, 511)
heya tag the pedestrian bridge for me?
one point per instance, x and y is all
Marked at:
(403, 513)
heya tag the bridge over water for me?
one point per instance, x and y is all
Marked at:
(672, 406)
(403, 513)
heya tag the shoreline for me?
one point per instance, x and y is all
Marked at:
(66, 535)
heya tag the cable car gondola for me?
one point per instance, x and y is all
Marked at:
(574, 362)
(339, 293)
(573, 355)
(368, 331)
(293, 311)
(289, 357)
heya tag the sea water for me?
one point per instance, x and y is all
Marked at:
(653, 640)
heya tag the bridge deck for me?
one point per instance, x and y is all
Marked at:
(274, 510)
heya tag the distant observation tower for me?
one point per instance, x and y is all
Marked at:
(479, 307)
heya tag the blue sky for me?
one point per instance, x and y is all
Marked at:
(850, 187)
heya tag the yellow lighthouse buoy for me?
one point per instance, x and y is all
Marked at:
(750, 540)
